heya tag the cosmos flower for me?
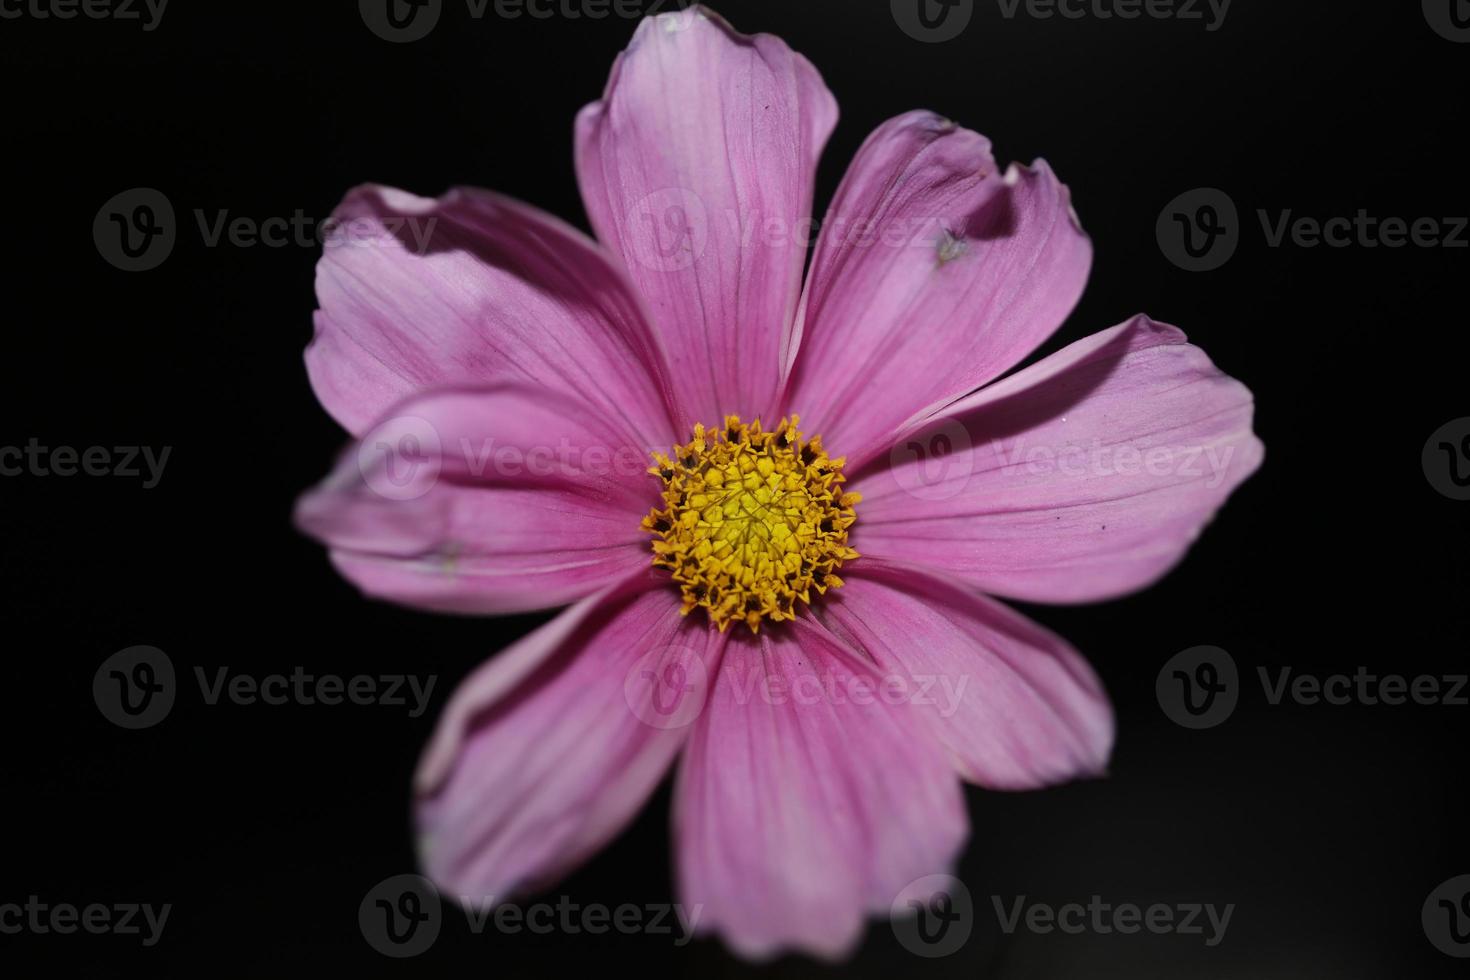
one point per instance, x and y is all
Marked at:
(788, 605)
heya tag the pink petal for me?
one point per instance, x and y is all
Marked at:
(488, 501)
(1085, 476)
(934, 274)
(550, 749)
(476, 289)
(804, 805)
(1016, 706)
(697, 167)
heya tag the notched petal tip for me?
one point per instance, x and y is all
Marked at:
(374, 200)
(649, 30)
(1040, 170)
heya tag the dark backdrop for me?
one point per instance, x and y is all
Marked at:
(1326, 826)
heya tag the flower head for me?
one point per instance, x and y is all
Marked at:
(509, 381)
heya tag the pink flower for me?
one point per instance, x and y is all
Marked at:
(511, 375)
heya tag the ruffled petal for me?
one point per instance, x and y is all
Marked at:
(806, 800)
(550, 749)
(475, 289)
(1085, 476)
(697, 167)
(935, 273)
(492, 500)
(1016, 706)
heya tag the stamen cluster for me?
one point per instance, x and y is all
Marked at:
(752, 521)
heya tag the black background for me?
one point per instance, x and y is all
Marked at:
(264, 826)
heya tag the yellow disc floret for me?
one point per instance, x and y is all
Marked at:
(752, 521)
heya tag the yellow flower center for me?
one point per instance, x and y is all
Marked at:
(752, 521)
